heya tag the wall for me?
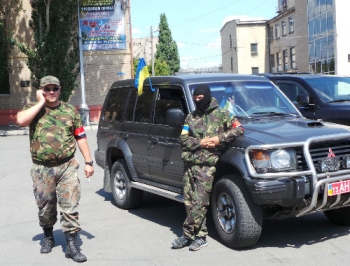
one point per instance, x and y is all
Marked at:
(102, 68)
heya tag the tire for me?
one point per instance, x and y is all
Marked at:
(125, 197)
(339, 216)
(237, 218)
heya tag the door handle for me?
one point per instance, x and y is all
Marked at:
(154, 140)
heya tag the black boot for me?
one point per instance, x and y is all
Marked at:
(72, 250)
(49, 241)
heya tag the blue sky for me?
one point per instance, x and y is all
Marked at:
(195, 25)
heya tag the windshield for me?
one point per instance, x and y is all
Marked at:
(250, 98)
(331, 88)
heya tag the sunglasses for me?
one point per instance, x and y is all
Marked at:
(51, 89)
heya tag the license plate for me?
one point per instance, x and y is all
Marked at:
(339, 188)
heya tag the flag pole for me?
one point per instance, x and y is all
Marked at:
(83, 109)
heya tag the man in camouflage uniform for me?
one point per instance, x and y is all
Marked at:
(205, 133)
(55, 129)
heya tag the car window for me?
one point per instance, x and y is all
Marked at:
(331, 88)
(129, 113)
(144, 106)
(249, 98)
(115, 104)
(167, 99)
(291, 90)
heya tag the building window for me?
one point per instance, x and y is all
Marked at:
(4, 73)
(277, 31)
(232, 64)
(255, 70)
(279, 62)
(291, 24)
(230, 41)
(285, 60)
(293, 63)
(284, 28)
(254, 49)
(272, 63)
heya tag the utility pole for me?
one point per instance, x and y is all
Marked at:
(83, 109)
(152, 53)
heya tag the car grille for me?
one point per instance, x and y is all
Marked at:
(321, 150)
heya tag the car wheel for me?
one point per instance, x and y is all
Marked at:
(125, 196)
(238, 220)
(339, 216)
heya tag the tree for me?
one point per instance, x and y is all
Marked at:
(54, 50)
(6, 33)
(167, 48)
(161, 68)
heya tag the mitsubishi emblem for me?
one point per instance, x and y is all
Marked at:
(330, 153)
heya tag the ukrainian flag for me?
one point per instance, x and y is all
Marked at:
(141, 74)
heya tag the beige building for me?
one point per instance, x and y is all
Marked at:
(244, 47)
(142, 48)
(102, 68)
(288, 38)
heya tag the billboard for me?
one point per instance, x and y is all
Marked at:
(102, 24)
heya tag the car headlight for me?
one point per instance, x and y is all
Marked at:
(269, 161)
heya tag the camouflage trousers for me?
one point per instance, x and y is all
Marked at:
(60, 185)
(198, 183)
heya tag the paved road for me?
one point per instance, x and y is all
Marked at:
(142, 237)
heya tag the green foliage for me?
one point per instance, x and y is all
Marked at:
(54, 50)
(161, 68)
(136, 63)
(167, 48)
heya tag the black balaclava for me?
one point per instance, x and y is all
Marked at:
(203, 104)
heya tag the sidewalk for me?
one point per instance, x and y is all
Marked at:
(15, 130)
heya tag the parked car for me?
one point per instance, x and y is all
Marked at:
(323, 97)
(283, 166)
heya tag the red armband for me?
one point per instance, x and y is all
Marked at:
(237, 124)
(79, 133)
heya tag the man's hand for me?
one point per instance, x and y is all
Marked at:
(88, 170)
(40, 97)
(208, 143)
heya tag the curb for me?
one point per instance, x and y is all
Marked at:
(21, 131)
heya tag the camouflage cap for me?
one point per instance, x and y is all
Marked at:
(49, 80)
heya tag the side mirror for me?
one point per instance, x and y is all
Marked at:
(303, 100)
(175, 117)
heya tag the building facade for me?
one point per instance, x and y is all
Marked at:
(102, 68)
(329, 43)
(144, 47)
(244, 47)
(287, 38)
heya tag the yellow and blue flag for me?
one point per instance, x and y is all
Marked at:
(141, 74)
(185, 130)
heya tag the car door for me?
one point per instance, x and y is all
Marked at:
(165, 163)
(135, 130)
(292, 90)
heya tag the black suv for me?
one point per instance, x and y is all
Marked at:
(283, 166)
(323, 97)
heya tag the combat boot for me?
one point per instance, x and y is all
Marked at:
(49, 241)
(72, 250)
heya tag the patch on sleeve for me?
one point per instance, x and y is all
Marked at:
(185, 130)
(79, 133)
(236, 124)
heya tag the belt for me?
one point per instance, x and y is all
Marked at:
(53, 163)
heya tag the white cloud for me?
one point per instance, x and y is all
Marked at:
(180, 44)
(136, 31)
(241, 18)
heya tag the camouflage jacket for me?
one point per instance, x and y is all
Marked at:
(52, 132)
(214, 122)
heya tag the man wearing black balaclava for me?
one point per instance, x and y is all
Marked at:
(206, 132)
